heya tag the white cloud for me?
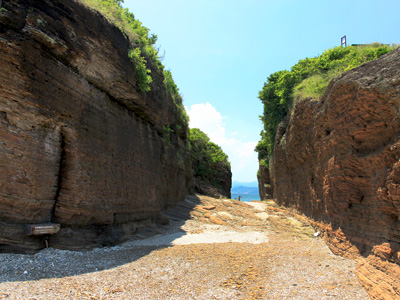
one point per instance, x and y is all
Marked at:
(205, 117)
(241, 154)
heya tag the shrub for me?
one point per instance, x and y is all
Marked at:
(143, 74)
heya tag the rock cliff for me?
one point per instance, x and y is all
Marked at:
(265, 188)
(220, 188)
(338, 161)
(211, 169)
(80, 144)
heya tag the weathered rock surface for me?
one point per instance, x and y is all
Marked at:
(221, 187)
(265, 188)
(79, 144)
(338, 161)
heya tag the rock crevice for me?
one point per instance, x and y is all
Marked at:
(61, 173)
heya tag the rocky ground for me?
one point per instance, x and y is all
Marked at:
(212, 249)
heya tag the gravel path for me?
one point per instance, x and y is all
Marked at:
(226, 250)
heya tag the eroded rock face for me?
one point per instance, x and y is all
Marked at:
(265, 187)
(338, 161)
(80, 145)
(221, 188)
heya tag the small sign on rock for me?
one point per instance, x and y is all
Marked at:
(39, 229)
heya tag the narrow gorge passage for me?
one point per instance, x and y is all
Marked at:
(252, 251)
(96, 140)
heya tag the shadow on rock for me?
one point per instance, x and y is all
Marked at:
(55, 263)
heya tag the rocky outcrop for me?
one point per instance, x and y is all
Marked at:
(80, 144)
(338, 161)
(211, 169)
(219, 188)
(265, 188)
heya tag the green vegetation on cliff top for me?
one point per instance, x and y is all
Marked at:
(142, 52)
(208, 160)
(307, 79)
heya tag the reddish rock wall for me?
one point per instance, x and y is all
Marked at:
(79, 145)
(338, 161)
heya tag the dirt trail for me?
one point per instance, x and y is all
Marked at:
(212, 249)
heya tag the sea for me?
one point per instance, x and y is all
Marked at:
(245, 197)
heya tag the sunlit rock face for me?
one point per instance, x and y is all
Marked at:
(338, 161)
(80, 145)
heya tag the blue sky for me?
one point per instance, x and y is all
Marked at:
(220, 53)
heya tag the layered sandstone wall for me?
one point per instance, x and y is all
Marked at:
(80, 145)
(338, 161)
